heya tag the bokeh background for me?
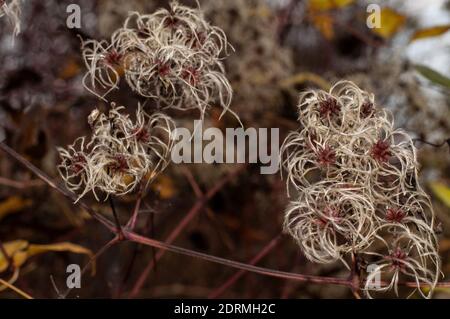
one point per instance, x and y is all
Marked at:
(281, 48)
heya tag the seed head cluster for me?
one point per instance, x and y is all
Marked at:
(120, 154)
(172, 55)
(355, 179)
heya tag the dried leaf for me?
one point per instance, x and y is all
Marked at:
(322, 5)
(262, 11)
(303, 77)
(444, 290)
(430, 32)
(35, 249)
(13, 205)
(165, 187)
(442, 191)
(391, 22)
(433, 75)
(20, 250)
(324, 23)
(16, 250)
(70, 70)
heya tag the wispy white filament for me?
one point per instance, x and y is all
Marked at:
(357, 188)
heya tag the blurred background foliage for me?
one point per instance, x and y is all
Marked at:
(280, 48)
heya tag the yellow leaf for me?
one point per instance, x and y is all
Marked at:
(442, 191)
(71, 69)
(164, 186)
(391, 22)
(303, 77)
(430, 32)
(324, 23)
(127, 179)
(20, 250)
(35, 249)
(262, 11)
(444, 290)
(16, 251)
(12, 205)
(322, 5)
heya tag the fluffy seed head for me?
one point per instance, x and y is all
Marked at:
(367, 197)
(122, 153)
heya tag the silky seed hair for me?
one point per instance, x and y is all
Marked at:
(354, 180)
(12, 10)
(172, 56)
(122, 154)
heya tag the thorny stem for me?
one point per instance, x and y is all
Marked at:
(232, 279)
(132, 222)
(200, 203)
(128, 270)
(183, 251)
(235, 264)
(151, 228)
(354, 276)
(116, 218)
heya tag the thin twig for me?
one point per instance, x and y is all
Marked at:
(116, 218)
(200, 203)
(354, 276)
(100, 252)
(104, 221)
(132, 222)
(14, 288)
(199, 194)
(260, 270)
(20, 184)
(235, 277)
(235, 264)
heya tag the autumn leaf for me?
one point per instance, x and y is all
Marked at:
(444, 290)
(20, 250)
(70, 69)
(442, 191)
(262, 11)
(164, 186)
(324, 23)
(303, 77)
(390, 22)
(433, 75)
(430, 32)
(323, 5)
(13, 205)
